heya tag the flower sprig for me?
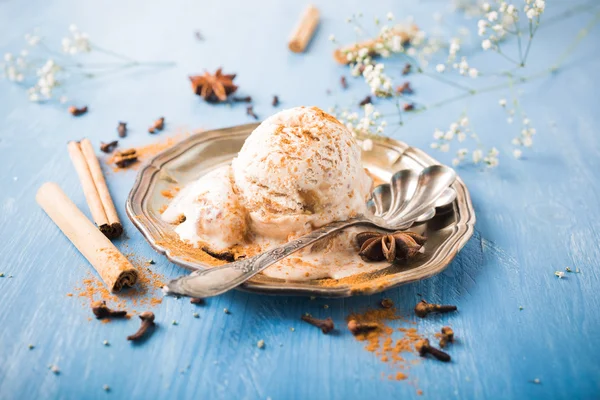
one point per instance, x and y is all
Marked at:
(499, 21)
(45, 73)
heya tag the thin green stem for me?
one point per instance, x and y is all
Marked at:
(580, 36)
(446, 81)
(111, 53)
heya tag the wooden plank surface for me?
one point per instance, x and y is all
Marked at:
(535, 216)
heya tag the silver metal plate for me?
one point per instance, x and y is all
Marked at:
(193, 157)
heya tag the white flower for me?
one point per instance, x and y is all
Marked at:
(331, 38)
(526, 121)
(527, 141)
(34, 97)
(445, 147)
(390, 16)
(464, 121)
(517, 153)
(494, 152)
(20, 78)
(449, 135)
(461, 153)
(477, 156)
(502, 102)
(438, 134)
(63, 99)
(473, 73)
(367, 145)
(440, 68)
(492, 16)
(516, 142)
(454, 127)
(455, 162)
(462, 137)
(482, 24)
(486, 44)
(510, 9)
(486, 7)
(509, 120)
(531, 13)
(434, 145)
(8, 57)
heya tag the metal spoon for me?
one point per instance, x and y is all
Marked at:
(395, 206)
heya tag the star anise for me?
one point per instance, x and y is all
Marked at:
(377, 246)
(213, 88)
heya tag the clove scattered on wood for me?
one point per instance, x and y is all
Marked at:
(423, 308)
(197, 300)
(158, 125)
(250, 112)
(326, 325)
(275, 101)
(365, 101)
(147, 318)
(122, 129)
(108, 147)
(78, 111)
(424, 347)
(362, 327)
(447, 336)
(101, 311)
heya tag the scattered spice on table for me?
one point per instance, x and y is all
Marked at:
(423, 308)
(326, 325)
(408, 106)
(394, 347)
(250, 112)
(246, 99)
(407, 69)
(145, 152)
(147, 318)
(213, 88)
(108, 147)
(344, 82)
(158, 125)
(122, 129)
(275, 101)
(125, 158)
(365, 101)
(405, 88)
(77, 111)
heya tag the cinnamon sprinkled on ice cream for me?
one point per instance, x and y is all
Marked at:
(300, 169)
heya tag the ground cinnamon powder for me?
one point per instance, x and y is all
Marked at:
(145, 294)
(395, 347)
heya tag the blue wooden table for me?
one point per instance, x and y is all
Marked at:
(524, 333)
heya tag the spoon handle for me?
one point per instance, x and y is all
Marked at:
(214, 281)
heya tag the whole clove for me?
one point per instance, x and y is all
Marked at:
(424, 347)
(408, 106)
(78, 111)
(108, 147)
(344, 82)
(405, 88)
(423, 308)
(447, 336)
(326, 325)
(147, 318)
(246, 99)
(223, 255)
(197, 300)
(122, 129)
(101, 311)
(158, 125)
(250, 112)
(386, 303)
(275, 101)
(407, 69)
(365, 101)
(125, 158)
(362, 327)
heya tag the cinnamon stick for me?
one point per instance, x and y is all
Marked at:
(116, 229)
(304, 30)
(405, 34)
(113, 267)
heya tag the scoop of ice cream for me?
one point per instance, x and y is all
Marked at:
(300, 169)
(213, 213)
